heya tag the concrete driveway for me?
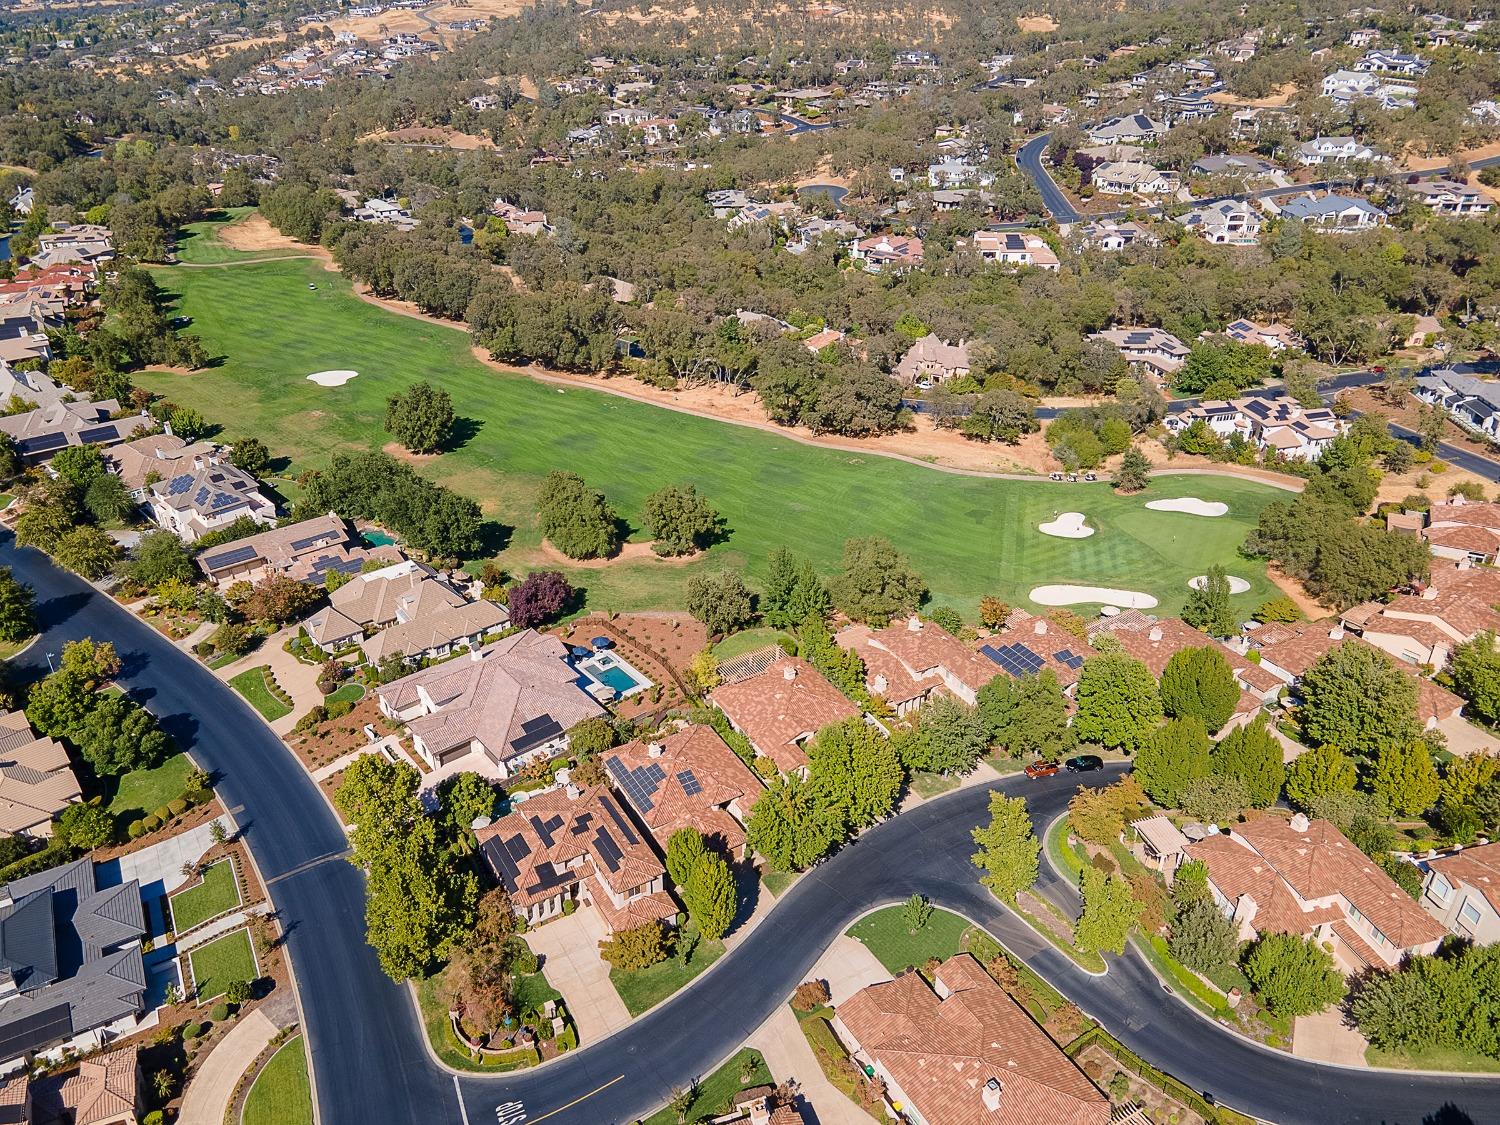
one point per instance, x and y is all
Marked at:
(569, 951)
(847, 967)
(1325, 1037)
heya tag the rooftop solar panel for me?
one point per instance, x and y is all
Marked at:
(1068, 657)
(689, 782)
(100, 433)
(36, 1029)
(620, 822)
(42, 442)
(534, 732)
(179, 484)
(231, 557)
(303, 544)
(607, 850)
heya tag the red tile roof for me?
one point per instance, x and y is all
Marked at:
(1475, 867)
(782, 707)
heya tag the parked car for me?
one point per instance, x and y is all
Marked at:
(1040, 768)
(1085, 763)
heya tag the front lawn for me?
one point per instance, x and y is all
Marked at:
(929, 785)
(778, 882)
(217, 893)
(141, 792)
(885, 934)
(646, 988)
(1434, 1058)
(282, 1094)
(216, 963)
(256, 685)
(716, 1093)
(347, 693)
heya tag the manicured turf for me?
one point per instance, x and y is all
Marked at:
(751, 640)
(968, 536)
(351, 693)
(885, 934)
(200, 243)
(217, 963)
(282, 1094)
(141, 792)
(219, 891)
(716, 1093)
(252, 684)
(645, 988)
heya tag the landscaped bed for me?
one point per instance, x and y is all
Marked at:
(529, 993)
(216, 893)
(259, 687)
(282, 1094)
(645, 988)
(716, 1093)
(216, 963)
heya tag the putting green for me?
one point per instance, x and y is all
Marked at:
(968, 536)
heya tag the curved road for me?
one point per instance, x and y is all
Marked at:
(370, 1063)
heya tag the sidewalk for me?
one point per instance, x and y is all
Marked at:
(788, 1056)
(212, 1088)
(390, 746)
(219, 926)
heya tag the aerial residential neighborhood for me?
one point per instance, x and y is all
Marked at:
(673, 564)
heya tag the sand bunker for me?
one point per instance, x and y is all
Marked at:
(332, 378)
(1069, 525)
(1071, 595)
(1191, 505)
(1236, 585)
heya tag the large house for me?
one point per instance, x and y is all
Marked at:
(1279, 423)
(1029, 644)
(494, 710)
(961, 1051)
(1234, 164)
(1305, 877)
(686, 779)
(1452, 199)
(305, 551)
(36, 779)
(779, 702)
(1111, 235)
(1334, 150)
(1276, 336)
(208, 495)
(1155, 641)
(1456, 605)
(40, 433)
(104, 1089)
(1464, 530)
(1013, 248)
(1345, 86)
(1148, 351)
(86, 243)
(1392, 62)
(1132, 128)
(1472, 402)
(907, 662)
(71, 972)
(518, 220)
(1462, 891)
(1230, 222)
(1133, 177)
(887, 252)
(143, 461)
(576, 844)
(931, 360)
(1334, 212)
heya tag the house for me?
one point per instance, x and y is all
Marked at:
(1276, 336)
(1231, 222)
(207, 497)
(71, 971)
(1362, 37)
(384, 211)
(957, 172)
(305, 551)
(1466, 530)
(1472, 402)
(1462, 891)
(930, 361)
(1146, 350)
(82, 242)
(142, 462)
(22, 200)
(104, 1089)
(1155, 641)
(1345, 86)
(58, 287)
(1132, 128)
(28, 389)
(575, 844)
(1334, 150)
(686, 779)
(40, 433)
(1334, 212)
(1450, 198)
(1028, 644)
(1305, 877)
(1110, 235)
(1133, 177)
(520, 221)
(1013, 248)
(1454, 606)
(36, 779)
(812, 230)
(1234, 164)
(963, 1052)
(779, 702)
(23, 332)
(1392, 62)
(892, 252)
(504, 705)
(1296, 433)
(907, 662)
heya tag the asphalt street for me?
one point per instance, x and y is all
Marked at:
(371, 1066)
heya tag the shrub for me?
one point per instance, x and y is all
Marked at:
(155, 1117)
(136, 830)
(198, 796)
(238, 992)
(339, 708)
(162, 813)
(177, 807)
(810, 994)
(570, 906)
(219, 1013)
(150, 824)
(192, 1030)
(522, 960)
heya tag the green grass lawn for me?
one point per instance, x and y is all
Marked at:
(929, 785)
(968, 536)
(225, 959)
(1435, 1058)
(218, 892)
(1064, 857)
(532, 992)
(885, 934)
(646, 988)
(448, 1046)
(716, 1092)
(777, 882)
(350, 692)
(282, 1094)
(253, 684)
(751, 640)
(200, 242)
(141, 792)
(9, 649)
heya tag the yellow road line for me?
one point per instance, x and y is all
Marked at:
(575, 1101)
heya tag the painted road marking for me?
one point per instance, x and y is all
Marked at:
(510, 1113)
(571, 1104)
(459, 1094)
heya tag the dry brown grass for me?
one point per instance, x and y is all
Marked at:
(1042, 23)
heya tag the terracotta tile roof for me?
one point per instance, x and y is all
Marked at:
(782, 707)
(1154, 643)
(1476, 540)
(1467, 513)
(1435, 702)
(885, 674)
(1358, 946)
(1475, 867)
(636, 912)
(102, 1089)
(36, 778)
(687, 785)
(1296, 648)
(913, 657)
(1045, 641)
(303, 550)
(432, 630)
(1237, 872)
(943, 1052)
(15, 1099)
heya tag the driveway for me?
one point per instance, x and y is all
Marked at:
(1465, 739)
(569, 949)
(1325, 1037)
(788, 1056)
(848, 966)
(208, 1095)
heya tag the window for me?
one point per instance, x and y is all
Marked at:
(1469, 914)
(1439, 887)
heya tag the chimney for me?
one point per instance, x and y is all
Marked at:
(1040, 628)
(573, 792)
(1245, 909)
(991, 1095)
(1336, 633)
(914, 624)
(564, 777)
(1300, 823)
(654, 750)
(1155, 635)
(789, 672)
(476, 655)
(879, 685)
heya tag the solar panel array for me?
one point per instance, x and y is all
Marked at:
(99, 433)
(640, 784)
(689, 782)
(303, 544)
(534, 732)
(1016, 659)
(42, 443)
(230, 557)
(180, 484)
(1068, 657)
(36, 1029)
(607, 850)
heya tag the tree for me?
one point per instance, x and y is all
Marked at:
(1171, 759)
(1280, 608)
(1202, 938)
(420, 418)
(916, 911)
(86, 551)
(279, 600)
(993, 612)
(119, 735)
(776, 593)
(1318, 772)
(788, 826)
(951, 738)
(680, 521)
(79, 465)
(1198, 683)
(855, 772)
(58, 704)
(42, 524)
(1355, 697)
(463, 799)
(1293, 976)
(1100, 815)
(188, 424)
(685, 848)
(1118, 704)
(161, 557)
(1252, 754)
(1208, 606)
(591, 737)
(712, 898)
(86, 826)
(17, 608)
(1214, 798)
(107, 500)
(542, 596)
(1475, 670)
(633, 950)
(877, 582)
(1134, 471)
(250, 455)
(576, 519)
(1028, 716)
(1001, 415)
(1222, 360)
(1110, 910)
(1008, 849)
(1405, 778)
(721, 601)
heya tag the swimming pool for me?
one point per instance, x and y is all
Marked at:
(614, 672)
(376, 538)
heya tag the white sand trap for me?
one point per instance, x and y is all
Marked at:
(1069, 525)
(332, 378)
(1072, 595)
(1236, 585)
(1191, 505)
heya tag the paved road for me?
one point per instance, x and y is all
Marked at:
(372, 1069)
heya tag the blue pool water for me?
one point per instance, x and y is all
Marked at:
(613, 674)
(378, 538)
